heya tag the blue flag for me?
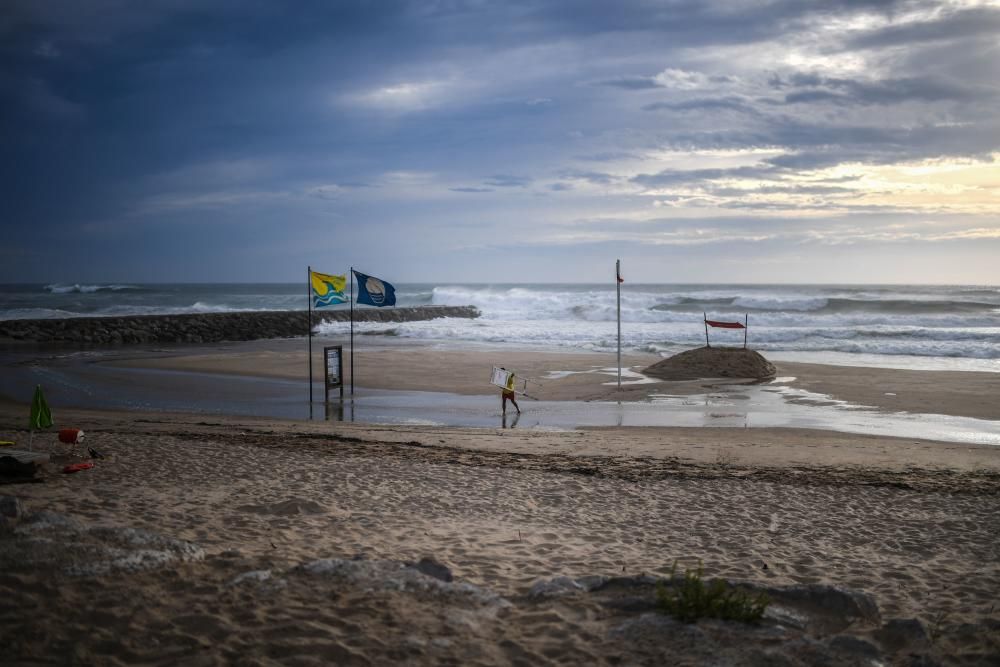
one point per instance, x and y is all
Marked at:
(374, 292)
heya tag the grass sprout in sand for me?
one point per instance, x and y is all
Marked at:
(692, 599)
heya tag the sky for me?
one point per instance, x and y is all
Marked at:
(791, 141)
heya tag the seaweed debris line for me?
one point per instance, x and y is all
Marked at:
(713, 362)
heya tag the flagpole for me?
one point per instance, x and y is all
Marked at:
(351, 278)
(618, 287)
(310, 325)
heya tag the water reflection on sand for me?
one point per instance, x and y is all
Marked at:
(773, 404)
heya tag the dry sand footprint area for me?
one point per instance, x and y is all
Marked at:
(281, 546)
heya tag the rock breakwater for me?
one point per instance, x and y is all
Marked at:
(206, 327)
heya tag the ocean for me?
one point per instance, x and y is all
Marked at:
(952, 327)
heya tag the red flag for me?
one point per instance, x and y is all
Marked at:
(725, 325)
(618, 274)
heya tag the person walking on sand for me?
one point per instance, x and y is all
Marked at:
(507, 394)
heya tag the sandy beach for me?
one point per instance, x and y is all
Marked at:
(206, 539)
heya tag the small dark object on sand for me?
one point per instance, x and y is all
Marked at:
(94, 454)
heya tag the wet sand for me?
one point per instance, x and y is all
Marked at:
(399, 365)
(399, 382)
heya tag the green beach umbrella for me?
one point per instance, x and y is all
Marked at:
(41, 416)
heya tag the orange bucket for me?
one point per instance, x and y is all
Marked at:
(73, 436)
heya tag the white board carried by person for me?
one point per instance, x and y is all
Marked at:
(503, 378)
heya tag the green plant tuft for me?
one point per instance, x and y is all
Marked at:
(693, 599)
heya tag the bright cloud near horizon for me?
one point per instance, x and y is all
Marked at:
(786, 141)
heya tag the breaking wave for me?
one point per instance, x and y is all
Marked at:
(57, 288)
(919, 321)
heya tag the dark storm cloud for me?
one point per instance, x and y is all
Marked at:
(824, 146)
(632, 83)
(695, 176)
(509, 181)
(610, 156)
(595, 177)
(217, 115)
(685, 22)
(730, 103)
(147, 90)
(810, 96)
(884, 92)
(950, 25)
(649, 82)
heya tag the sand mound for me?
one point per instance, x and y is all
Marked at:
(713, 362)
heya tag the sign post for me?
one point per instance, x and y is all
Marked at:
(333, 370)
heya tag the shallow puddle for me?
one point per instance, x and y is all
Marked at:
(775, 404)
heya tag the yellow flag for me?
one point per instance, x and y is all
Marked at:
(327, 289)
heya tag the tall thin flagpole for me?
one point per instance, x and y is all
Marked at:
(618, 287)
(351, 278)
(310, 325)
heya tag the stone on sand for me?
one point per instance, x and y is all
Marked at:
(57, 543)
(11, 511)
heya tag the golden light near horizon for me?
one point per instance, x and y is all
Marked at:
(961, 186)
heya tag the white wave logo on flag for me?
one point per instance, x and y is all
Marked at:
(376, 290)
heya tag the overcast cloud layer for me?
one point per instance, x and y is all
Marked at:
(785, 141)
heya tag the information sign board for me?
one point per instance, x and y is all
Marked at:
(333, 364)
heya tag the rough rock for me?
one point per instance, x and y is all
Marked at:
(61, 544)
(383, 575)
(11, 507)
(207, 327)
(554, 587)
(713, 362)
(22, 471)
(820, 608)
(899, 633)
(254, 576)
(433, 568)
(817, 625)
(11, 511)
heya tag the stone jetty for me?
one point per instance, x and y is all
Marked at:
(206, 327)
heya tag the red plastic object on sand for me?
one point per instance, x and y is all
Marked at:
(77, 467)
(73, 436)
